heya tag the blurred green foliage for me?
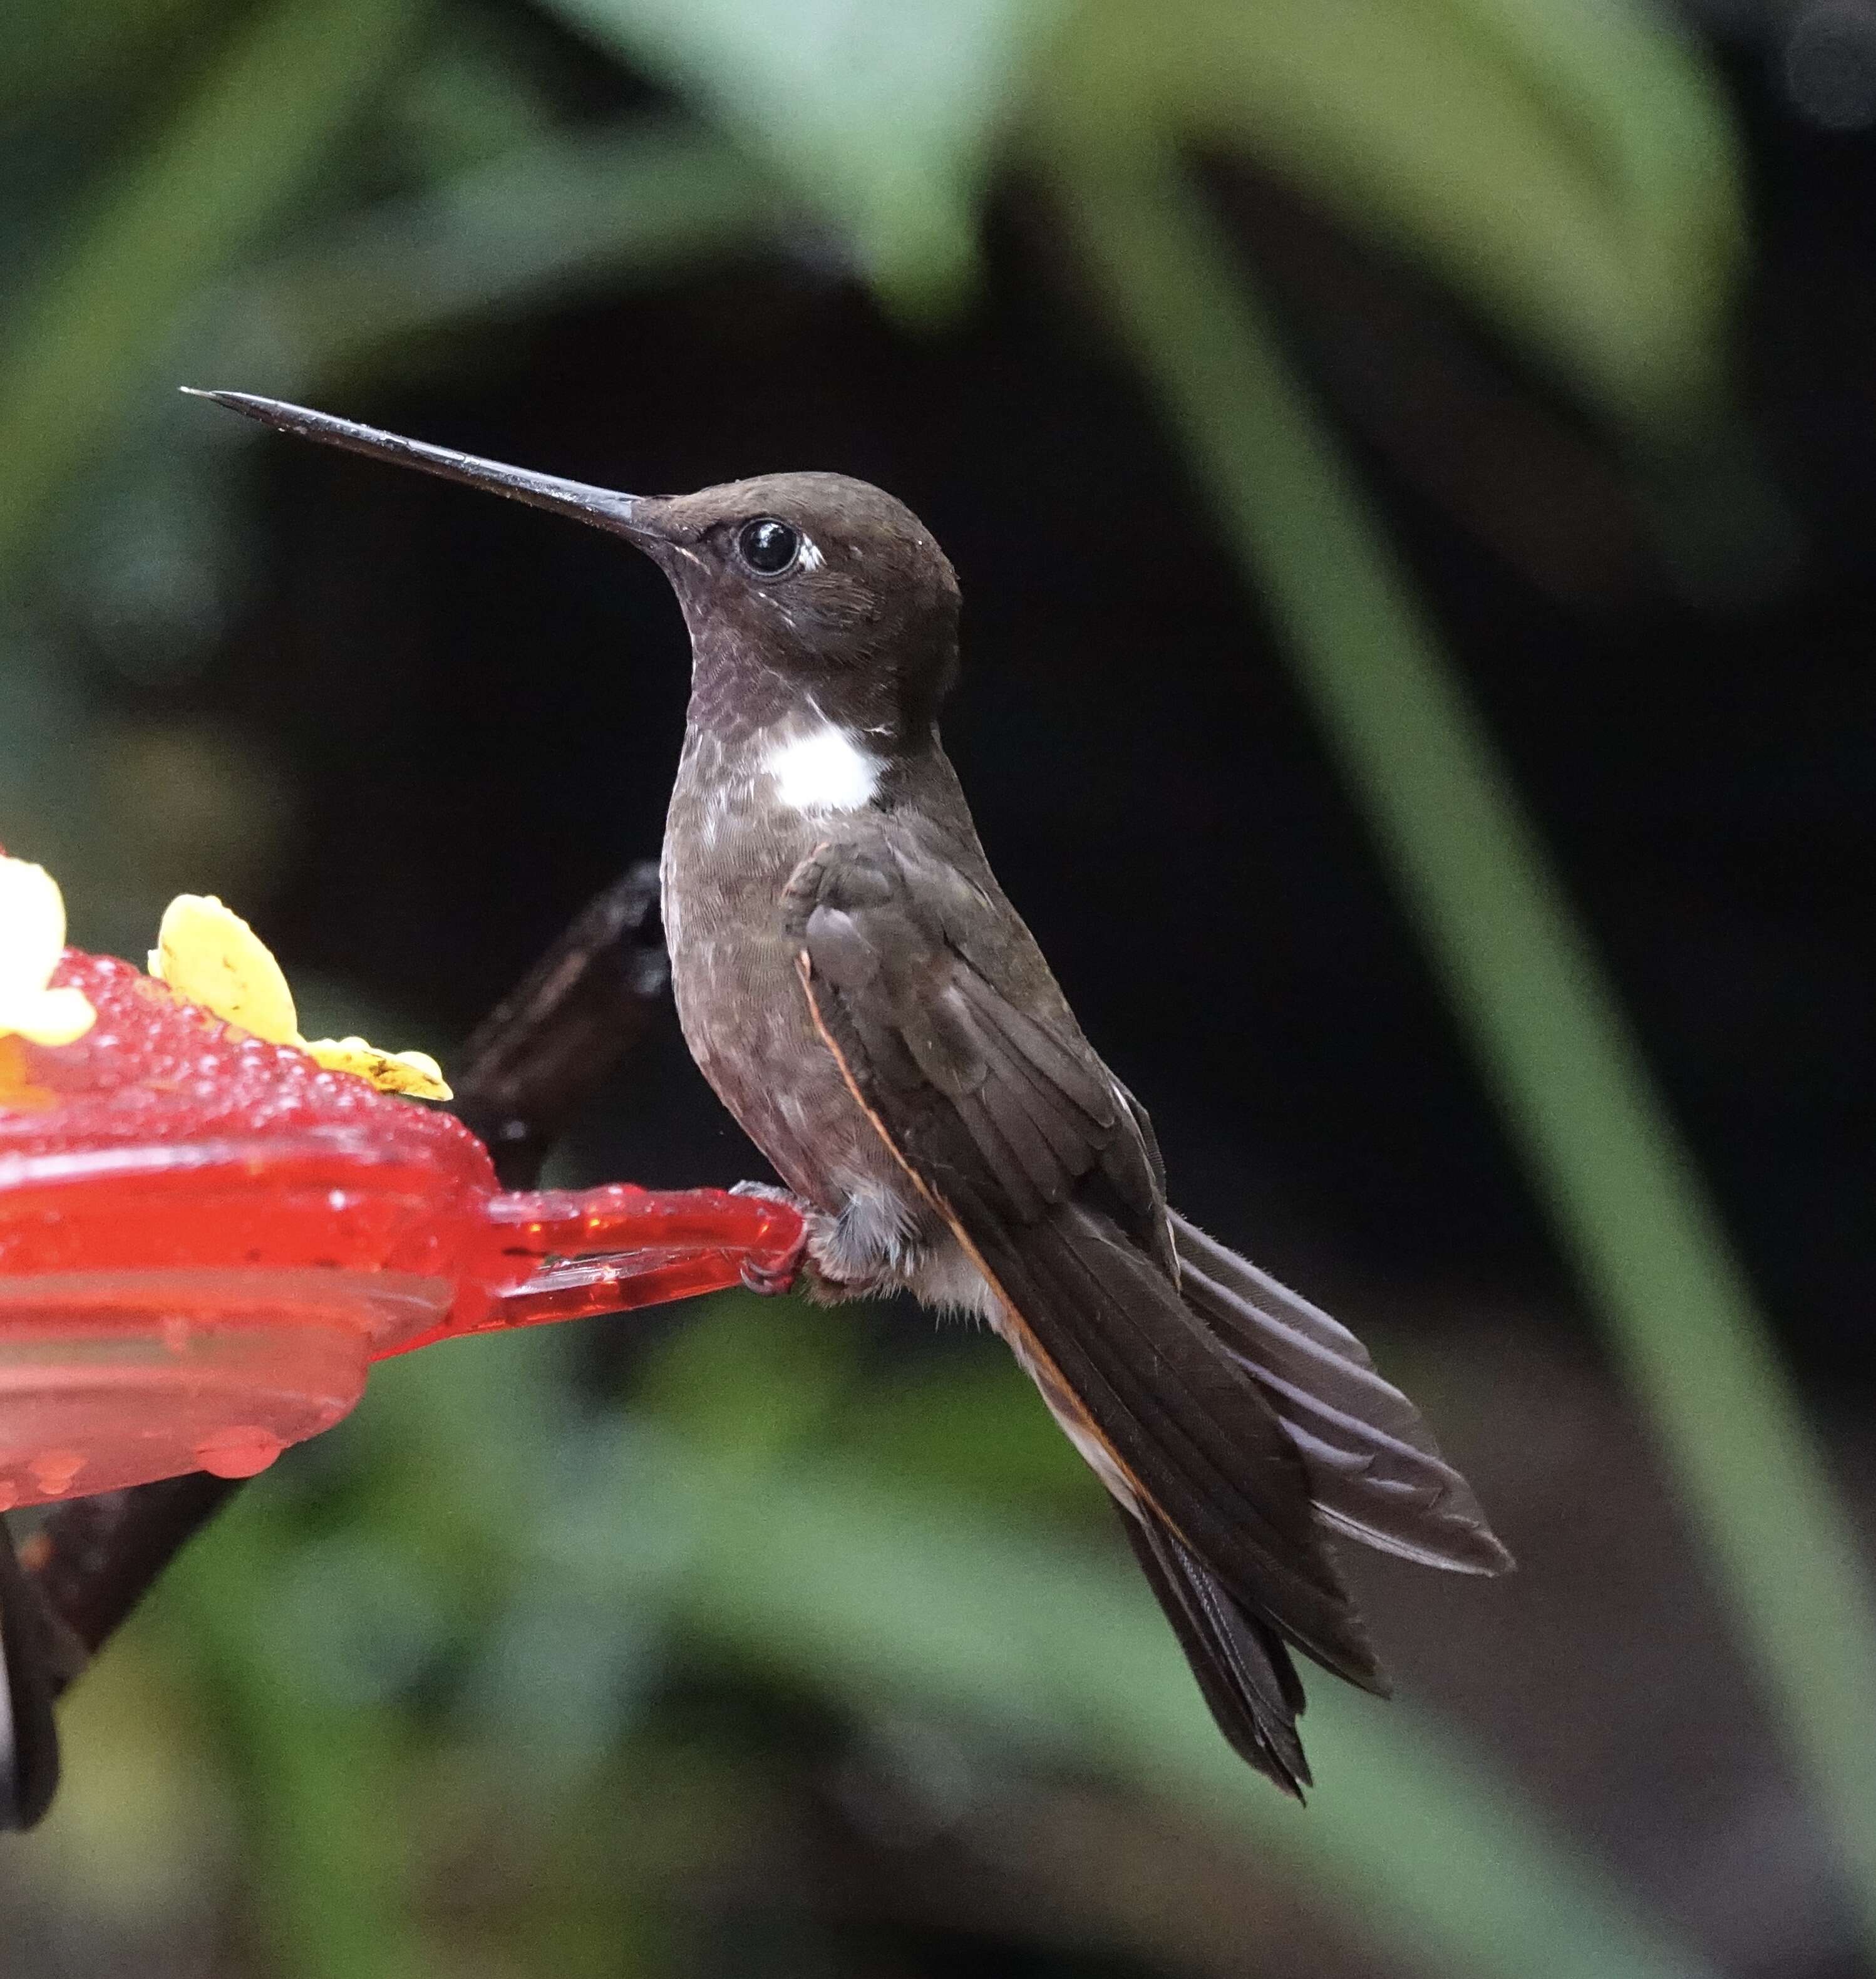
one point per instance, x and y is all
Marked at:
(757, 1508)
(426, 1658)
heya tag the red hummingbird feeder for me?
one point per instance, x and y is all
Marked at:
(206, 1238)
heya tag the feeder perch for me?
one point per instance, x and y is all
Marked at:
(206, 1240)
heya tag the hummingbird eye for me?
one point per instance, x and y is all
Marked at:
(769, 548)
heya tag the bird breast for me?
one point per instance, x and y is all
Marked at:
(744, 813)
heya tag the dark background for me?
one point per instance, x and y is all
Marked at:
(1150, 787)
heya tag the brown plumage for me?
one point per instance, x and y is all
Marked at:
(1230, 1419)
(868, 1004)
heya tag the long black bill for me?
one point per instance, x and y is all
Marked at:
(604, 508)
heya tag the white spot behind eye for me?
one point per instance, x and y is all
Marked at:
(810, 557)
(825, 769)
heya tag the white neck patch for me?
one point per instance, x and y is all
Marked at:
(824, 770)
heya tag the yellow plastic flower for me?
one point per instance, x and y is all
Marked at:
(32, 938)
(207, 954)
(411, 1072)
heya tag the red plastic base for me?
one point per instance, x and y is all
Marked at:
(205, 1240)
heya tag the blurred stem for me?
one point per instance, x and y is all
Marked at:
(1543, 1017)
(330, 1858)
(86, 331)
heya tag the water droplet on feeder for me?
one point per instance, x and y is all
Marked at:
(238, 1452)
(53, 1471)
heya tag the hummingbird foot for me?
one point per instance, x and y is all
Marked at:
(772, 1281)
(848, 1256)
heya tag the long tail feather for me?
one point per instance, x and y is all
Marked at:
(1124, 1363)
(1244, 1671)
(1375, 1473)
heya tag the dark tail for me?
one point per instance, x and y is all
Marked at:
(1244, 1671)
(1375, 1473)
(1241, 1421)
(1216, 1496)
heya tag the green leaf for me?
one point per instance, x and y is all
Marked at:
(1567, 168)
(904, 1602)
(885, 1599)
(882, 116)
(316, 1776)
(560, 216)
(888, 1598)
(55, 50)
(90, 326)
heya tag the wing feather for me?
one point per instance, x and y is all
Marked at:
(1231, 1418)
(888, 930)
(1208, 1452)
(1375, 1472)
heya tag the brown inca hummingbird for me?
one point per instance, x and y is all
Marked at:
(866, 1002)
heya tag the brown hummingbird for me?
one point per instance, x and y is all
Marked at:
(853, 983)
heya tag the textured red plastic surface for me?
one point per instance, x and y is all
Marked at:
(204, 1239)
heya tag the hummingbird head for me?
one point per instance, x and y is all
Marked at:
(813, 586)
(831, 583)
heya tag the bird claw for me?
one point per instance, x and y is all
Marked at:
(771, 1281)
(805, 1269)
